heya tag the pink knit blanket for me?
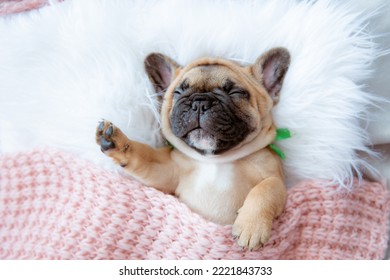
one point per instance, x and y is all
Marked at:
(54, 205)
(18, 6)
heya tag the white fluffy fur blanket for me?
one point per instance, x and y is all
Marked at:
(68, 65)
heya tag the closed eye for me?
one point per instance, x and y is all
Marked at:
(232, 89)
(239, 92)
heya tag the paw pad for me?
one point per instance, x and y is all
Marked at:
(104, 132)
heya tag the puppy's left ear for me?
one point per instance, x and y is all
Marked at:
(270, 69)
(161, 70)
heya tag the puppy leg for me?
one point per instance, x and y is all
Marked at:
(263, 204)
(152, 167)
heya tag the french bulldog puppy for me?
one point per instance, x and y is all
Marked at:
(216, 114)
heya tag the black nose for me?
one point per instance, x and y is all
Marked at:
(201, 103)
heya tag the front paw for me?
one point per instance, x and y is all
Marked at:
(111, 139)
(252, 230)
(104, 135)
(113, 142)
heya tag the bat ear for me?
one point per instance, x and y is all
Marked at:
(161, 70)
(270, 69)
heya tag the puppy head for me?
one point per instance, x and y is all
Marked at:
(217, 110)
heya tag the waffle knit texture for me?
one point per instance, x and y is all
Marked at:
(18, 6)
(54, 205)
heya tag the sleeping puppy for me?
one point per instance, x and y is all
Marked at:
(216, 115)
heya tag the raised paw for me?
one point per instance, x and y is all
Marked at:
(104, 135)
(111, 138)
(250, 230)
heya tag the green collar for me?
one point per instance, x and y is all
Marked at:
(281, 134)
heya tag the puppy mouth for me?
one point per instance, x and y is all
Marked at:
(206, 143)
(201, 141)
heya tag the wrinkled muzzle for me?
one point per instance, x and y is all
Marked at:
(207, 123)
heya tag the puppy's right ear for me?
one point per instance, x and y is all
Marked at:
(161, 70)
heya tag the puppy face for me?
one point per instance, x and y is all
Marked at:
(215, 109)
(211, 110)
